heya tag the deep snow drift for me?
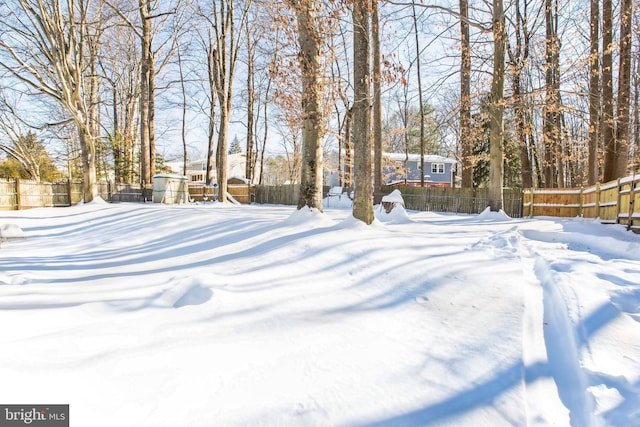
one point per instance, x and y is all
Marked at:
(222, 315)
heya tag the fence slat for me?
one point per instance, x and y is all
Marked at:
(613, 202)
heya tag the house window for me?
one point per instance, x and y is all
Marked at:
(437, 168)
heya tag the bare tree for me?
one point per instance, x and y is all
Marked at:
(209, 45)
(518, 61)
(310, 39)
(608, 119)
(552, 134)
(44, 49)
(265, 102)
(623, 121)
(147, 124)
(227, 32)
(377, 103)
(119, 67)
(363, 203)
(154, 55)
(496, 110)
(183, 127)
(252, 42)
(594, 92)
(466, 143)
(420, 94)
(342, 88)
(635, 149)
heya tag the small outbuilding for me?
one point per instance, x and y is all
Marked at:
(170, 189)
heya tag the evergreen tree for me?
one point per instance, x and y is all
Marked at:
(235, 147)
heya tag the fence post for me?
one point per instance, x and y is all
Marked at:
(69, 191)
(531, 202)
(18, 203)
(597, 207)
(581, 203)
(618, 203)
(631, 202)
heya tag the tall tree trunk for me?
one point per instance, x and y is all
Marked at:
(225, 57)
(265, 130)
(145, 78)
(340, 140)
(559, 110)
(152, 115)
(88, 151)
(420, 100)
(250, 146)
(183, 128)
(93, 91)
(608, 122)
(213, 96)
(117, 140)
(466, 141)
(363, 203)
(221, 151)
(635, 164)
(522, 131)
(624, 91)
(594, 93)
(519, 57)
(310, 59)
(551, 109)
(348, 149)
(377, 104)
(496, 110)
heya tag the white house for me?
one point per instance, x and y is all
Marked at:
(236, 168)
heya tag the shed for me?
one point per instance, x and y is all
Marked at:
(170, 189)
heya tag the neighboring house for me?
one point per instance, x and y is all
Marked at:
(236, 167)
(400, 170)
(438, 170)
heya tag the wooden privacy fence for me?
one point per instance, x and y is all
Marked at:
(615, 202)
(200, 192)
(22, 194)
(277, 194)
(457, 200)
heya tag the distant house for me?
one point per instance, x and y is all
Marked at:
(400, 169)
(236, 168)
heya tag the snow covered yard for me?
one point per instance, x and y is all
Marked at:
(220, 315)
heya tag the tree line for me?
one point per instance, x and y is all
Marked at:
(524, 93)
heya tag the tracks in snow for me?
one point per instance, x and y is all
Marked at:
(554, 380)
(563, 353)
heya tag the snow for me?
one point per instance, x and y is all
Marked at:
(337, 199)
(217, 314)
(10, 232)
(394, 197)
